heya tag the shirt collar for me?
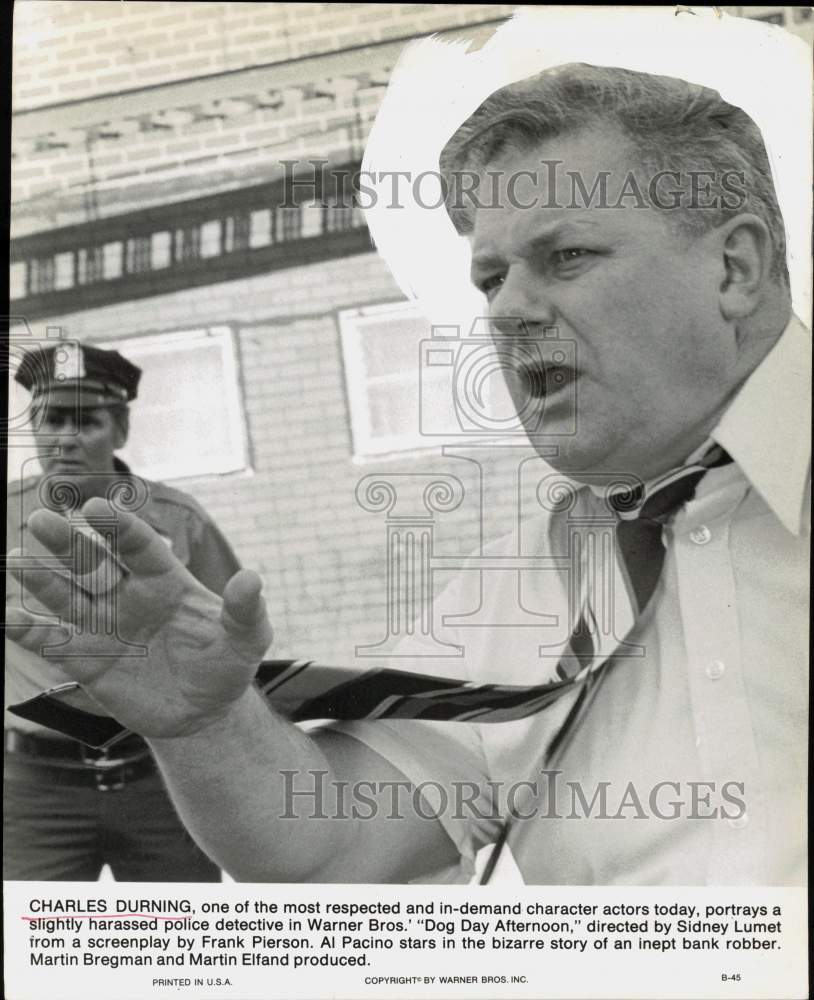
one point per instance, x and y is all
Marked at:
(766, 427)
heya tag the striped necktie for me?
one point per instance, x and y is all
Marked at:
(303, 690)
(643, 512)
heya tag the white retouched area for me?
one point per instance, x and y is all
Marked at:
(438, 84)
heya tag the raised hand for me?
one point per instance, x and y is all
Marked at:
(199, 653)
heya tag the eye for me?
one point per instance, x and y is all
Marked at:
(491, 284)
(569, 255)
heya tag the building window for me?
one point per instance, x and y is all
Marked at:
(312, 223)
(160, 250)
(260, 228)
(17, 273)
(380, 346)
(42, 275)
(139, 251)
(289, 222)
(91, 265)
(187, 243)
(227, 236)
(413, 386)
(211, 238)
(112, 260)
(64, 270)
(188, 419)
(237, 231)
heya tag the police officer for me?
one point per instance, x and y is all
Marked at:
(69, 810)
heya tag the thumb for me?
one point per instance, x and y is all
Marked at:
(244, 611)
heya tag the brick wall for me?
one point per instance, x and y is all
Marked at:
(295, 518)
(76, 50)
(125, 169)
(70, 50)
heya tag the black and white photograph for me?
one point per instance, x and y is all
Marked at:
(408, 500)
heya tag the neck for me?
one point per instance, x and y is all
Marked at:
(757, 334)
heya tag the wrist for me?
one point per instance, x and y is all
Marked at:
(229, 723)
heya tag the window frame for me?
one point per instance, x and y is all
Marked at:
(367, 446)
(231, 392)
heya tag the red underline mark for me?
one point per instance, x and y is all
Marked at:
(100, 916)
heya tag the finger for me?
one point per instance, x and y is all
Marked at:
(52, 531)
(27, 631)
(136, 543)
(242, 601)
(79, 548)
(18, 618)
(244, 610)
(57, 590)
(78, 545)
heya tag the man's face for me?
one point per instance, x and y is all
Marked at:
(639, 297)
(77, 442)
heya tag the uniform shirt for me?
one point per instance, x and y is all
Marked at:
(180, 520)
(719, 697)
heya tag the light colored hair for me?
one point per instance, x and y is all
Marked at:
(673, 125)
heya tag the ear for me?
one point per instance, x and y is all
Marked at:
(746, 248)
(121, 429)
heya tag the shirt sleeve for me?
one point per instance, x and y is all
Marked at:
(445, 764)
(445, 761)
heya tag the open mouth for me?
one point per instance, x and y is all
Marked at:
(541, 381)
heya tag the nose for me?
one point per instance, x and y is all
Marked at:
(62, 430)
(522, 306)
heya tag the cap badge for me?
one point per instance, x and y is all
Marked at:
(69, 362)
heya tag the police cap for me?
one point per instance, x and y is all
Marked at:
(69, 374)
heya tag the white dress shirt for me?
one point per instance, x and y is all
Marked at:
(718, 697)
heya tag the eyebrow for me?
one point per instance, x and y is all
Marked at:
(59, 413)
(486, 260)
